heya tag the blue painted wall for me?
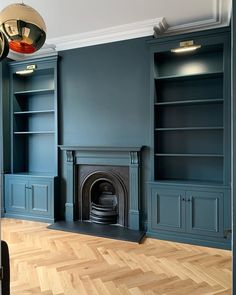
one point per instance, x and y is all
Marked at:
(104, 99)
(233, 100)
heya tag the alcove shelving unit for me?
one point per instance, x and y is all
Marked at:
(30, 187)
(189, 191)
(189, 123)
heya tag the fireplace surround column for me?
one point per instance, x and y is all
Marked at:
(70, 189)
(108, 156)
(134, 181)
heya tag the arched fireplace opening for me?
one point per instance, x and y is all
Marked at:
(103, 194)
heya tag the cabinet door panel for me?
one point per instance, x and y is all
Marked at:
(17, 195)
(204, 213)
(40, 197)
(167, 210)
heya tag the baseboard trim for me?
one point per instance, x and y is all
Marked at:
(199, 242)
(30, 218)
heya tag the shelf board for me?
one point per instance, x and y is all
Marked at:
(189, 128)
(191, 102)
(35, 173)
(188, 182)
(36, 91)
(190, 155)
(191, 76)
(34, 112)
(33, 132)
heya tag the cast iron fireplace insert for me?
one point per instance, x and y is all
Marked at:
(103, 194)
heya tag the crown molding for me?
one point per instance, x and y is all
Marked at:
(112, 34)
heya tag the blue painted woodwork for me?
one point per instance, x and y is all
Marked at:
(41, 197)
(34, 117)
(204, 212)
(30, 197)
(167, 209)
(193, 213)
(190, 107)
(16, 193)
(29, 189)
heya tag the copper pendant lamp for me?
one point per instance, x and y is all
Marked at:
(22, 29)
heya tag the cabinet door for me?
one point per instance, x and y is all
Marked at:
(40, 197)
(168, 210)
(16, 195)
(204, 213)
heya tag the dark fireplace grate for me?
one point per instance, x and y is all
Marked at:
(103, 214)
(104, 203)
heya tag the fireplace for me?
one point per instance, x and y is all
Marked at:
(103, 185)
(103, 194)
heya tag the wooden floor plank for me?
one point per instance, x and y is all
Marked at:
(49, 262)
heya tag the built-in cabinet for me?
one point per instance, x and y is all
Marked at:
(190, 94)
(30, 197)
(29, 188)
(190, 210)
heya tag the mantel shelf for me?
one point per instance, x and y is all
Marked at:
(100, 148)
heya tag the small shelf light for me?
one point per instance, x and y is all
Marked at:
(186, 46)
(29, 70)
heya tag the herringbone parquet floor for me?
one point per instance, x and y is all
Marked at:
(50, 262)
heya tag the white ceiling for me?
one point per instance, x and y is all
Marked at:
(77, 23)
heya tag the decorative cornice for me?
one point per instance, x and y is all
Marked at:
(112, 34)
